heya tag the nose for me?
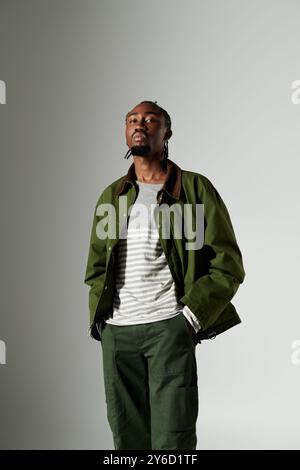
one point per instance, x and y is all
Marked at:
(140, 125)
(140, 128)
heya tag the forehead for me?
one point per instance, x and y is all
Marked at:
(144, 110)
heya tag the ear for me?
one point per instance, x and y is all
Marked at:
(168, 134)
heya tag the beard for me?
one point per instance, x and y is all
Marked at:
(140, 150)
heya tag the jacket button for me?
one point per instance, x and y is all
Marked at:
(109, 247)
(105, 287)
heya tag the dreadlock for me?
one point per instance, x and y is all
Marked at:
(167, 123)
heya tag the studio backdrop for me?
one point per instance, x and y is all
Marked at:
(228, 73)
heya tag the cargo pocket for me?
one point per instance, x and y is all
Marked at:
(180, 408)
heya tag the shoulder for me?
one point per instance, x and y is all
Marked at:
(197, 181)
(108, 191)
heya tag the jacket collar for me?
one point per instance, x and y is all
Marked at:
(172, 184)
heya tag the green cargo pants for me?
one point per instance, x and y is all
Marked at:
(151, 384)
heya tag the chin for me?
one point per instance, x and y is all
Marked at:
(140, 150)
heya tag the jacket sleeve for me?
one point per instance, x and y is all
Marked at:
(95, 268)
(210, 293)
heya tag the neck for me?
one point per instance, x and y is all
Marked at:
(150, 170)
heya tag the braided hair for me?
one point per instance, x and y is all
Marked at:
(167, 123)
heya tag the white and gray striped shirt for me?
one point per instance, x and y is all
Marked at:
(145, 288)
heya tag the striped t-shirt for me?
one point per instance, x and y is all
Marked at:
(145, 289)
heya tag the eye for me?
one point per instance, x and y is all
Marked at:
(132, 120)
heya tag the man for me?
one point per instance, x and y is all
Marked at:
(154, 295)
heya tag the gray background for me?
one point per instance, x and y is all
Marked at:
(223, 70)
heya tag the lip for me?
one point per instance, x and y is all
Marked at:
(139, 136)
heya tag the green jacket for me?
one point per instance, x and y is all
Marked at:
(206, 278)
